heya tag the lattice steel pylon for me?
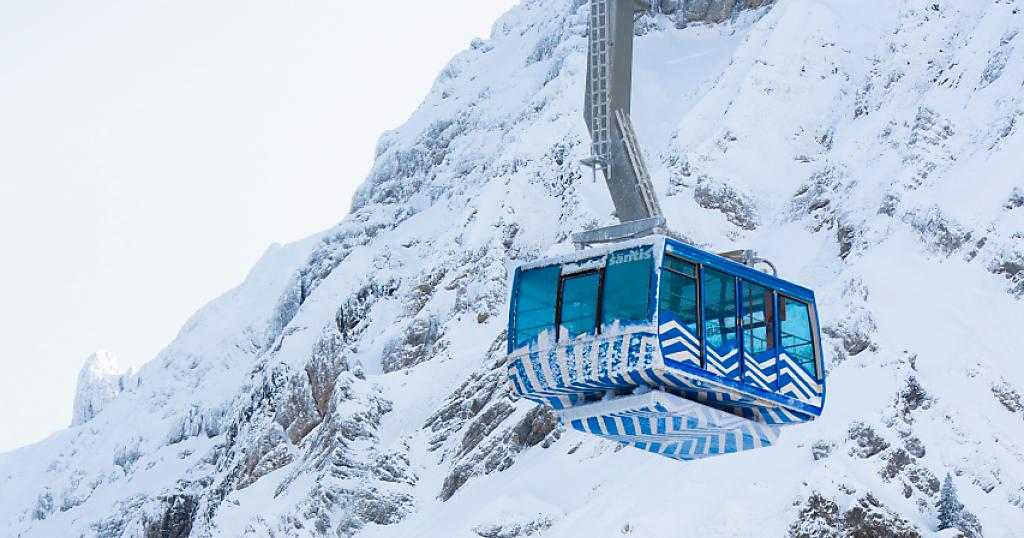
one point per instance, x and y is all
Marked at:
(598, 64)
(615, 150)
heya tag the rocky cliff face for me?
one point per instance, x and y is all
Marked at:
(352, 385)
(708, 11)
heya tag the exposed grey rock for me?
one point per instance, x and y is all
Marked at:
(414, 346)
(868, 442)
(538, 427)
(1016, 199)
(934, 228)
(480, 415)
(177, 519)
(819, 197)
(997, 60)
(1009, 398)
(821, 517)
(1010, 264)
(685, 12)
(911, 398)
(822, 449)
(737, 207)
(869, 518)
(513, 530)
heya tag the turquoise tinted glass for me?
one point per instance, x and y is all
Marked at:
(535, 303)
(579, 303)
(795, 328)
(627, 285)
(720, 311)
(678, 292)
(679, 266)
(758, 323)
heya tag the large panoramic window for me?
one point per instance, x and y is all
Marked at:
(627, 285)
(797, 336)
(758, 322)
(579, 303)
(679, 288)
(720, 311)
(535, 303)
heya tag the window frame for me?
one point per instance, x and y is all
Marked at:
(812, 324)
(513, 337)
(698, 276)
(737, 305)
(562, 277)
(652, 282)
(774, 329)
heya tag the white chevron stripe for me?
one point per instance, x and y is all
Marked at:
(756, 381)
(756, 373)
(799, 388)
(722, 370)
(672, 325)
(680, 340)
(788, 371)
(794, 370)
(789, 388)
(804, 376)
(683, 356)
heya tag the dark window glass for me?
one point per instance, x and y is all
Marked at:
(535, 303)
(720, 311)
(579, 303)
(678, 292)
(795, 328)
(627, 286)
(758, 325)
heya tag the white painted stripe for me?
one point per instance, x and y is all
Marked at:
(804, 376)
(679, 340)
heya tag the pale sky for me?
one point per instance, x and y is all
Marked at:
(151, 150)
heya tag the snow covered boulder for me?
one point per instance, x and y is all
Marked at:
(100, 381)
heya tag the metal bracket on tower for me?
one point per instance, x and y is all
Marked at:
(637, 163)
(749, 258)
(620, 232)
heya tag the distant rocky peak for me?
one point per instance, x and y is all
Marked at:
(101, 379)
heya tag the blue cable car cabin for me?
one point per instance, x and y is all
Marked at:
(659, 345)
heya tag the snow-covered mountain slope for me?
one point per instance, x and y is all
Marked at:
(352, 385)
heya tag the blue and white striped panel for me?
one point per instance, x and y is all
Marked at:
(670, 426)
(723, 363)
(552, 376)
(760, 373)
(774, 414)
(796, 383)
(677, 342)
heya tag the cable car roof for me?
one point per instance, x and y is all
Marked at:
(688, 252)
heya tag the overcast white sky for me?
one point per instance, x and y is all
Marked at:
(151, 150)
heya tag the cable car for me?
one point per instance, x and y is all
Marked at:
(659, 345)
